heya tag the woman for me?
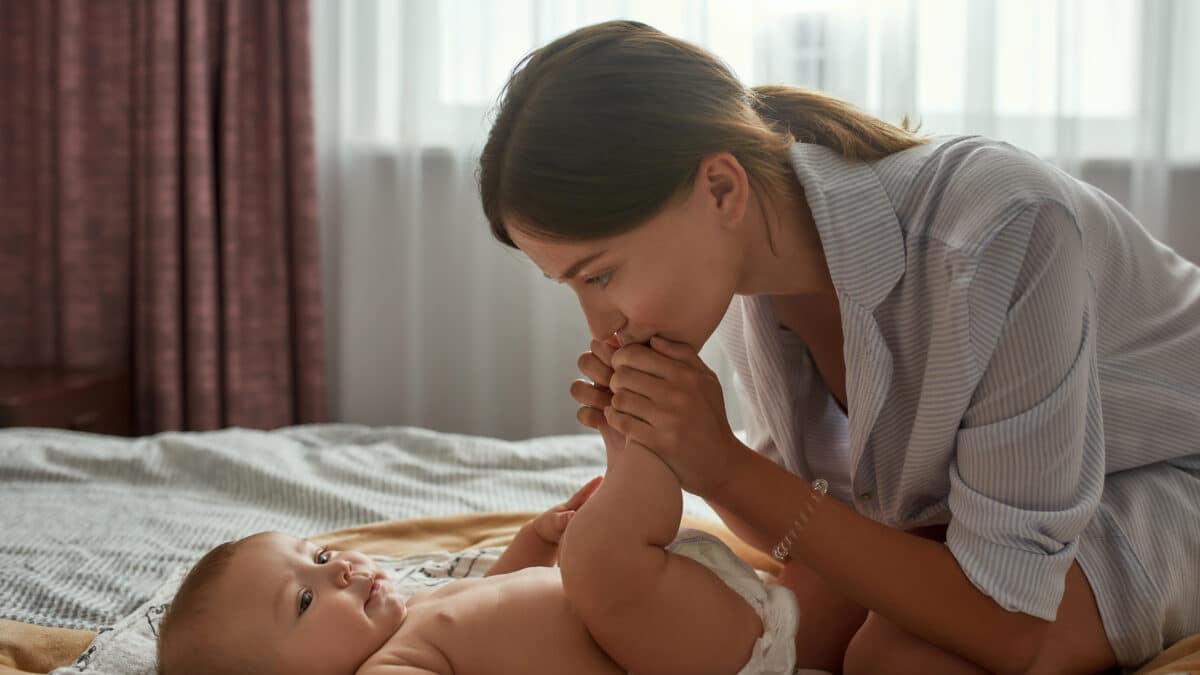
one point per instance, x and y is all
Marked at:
(989, 367)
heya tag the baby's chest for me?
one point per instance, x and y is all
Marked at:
(518, 626)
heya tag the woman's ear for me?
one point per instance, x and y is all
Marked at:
(723, 187)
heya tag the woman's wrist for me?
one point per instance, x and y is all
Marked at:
(766, 499)
(738, 462)
(782, 551)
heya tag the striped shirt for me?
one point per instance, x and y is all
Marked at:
(1012, 335)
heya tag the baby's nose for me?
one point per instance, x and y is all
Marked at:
(343, 571)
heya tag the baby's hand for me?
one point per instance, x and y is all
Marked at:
(551, 524)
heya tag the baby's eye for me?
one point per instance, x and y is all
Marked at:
(306, 598)
(323, 556)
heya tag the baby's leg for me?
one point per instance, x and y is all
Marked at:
(652, 611)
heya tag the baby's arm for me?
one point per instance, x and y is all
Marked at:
(527, 549)
(536, 543)
(650, 610)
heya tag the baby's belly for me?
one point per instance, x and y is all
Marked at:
(516, 624)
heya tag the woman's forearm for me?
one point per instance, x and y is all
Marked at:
(741, 528)
(914, 582)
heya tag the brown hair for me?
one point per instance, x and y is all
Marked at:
(184, 646)
(598, 130)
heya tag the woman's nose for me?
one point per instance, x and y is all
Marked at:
(603, 319)
(607, 328)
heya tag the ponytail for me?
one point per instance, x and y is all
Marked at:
(810, 116)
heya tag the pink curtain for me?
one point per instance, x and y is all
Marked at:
(158, 204)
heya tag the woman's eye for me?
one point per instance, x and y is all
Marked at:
(600, 280)
(323, 556)
(306, 598)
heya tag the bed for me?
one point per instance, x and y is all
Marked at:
(95, 529)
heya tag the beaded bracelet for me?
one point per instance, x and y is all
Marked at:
(783, 550)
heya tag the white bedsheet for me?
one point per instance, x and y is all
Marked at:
(91, 525)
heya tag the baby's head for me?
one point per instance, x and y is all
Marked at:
(272, 603)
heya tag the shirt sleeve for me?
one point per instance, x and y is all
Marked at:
(1028, 470)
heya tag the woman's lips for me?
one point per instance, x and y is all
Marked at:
(622, 339)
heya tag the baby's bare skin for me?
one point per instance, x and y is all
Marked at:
(519, 623)
(620, 602)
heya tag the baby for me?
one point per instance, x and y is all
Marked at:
(628, 595)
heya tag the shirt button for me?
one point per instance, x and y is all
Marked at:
(866, 496)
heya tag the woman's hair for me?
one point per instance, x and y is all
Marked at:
(597, 131)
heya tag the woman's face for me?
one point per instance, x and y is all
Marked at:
(672, 276)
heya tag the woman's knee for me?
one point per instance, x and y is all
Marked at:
(882, 648)
(827, 619)
(874, 648)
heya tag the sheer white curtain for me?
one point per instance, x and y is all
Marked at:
(434, 324)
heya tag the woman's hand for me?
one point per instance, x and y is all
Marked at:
(550, 525)
(664, 397)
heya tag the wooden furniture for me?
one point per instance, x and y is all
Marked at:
(96, 401)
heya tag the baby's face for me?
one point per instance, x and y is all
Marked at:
(320, 611)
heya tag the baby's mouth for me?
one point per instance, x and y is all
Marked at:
(378, 586)
(371, 590)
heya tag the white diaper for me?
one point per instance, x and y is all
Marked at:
(775, 652)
